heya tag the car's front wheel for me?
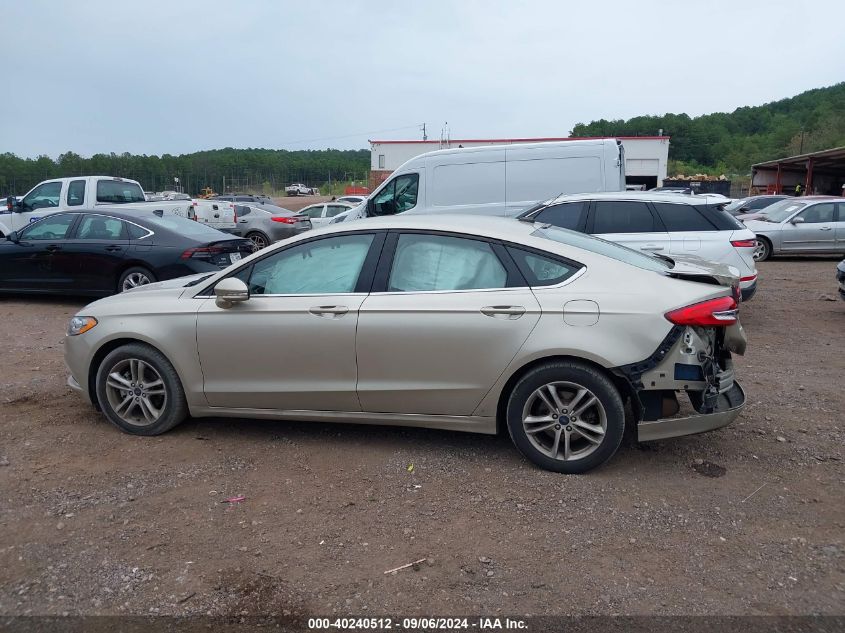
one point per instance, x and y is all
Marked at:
(139, 391)
(566, 417)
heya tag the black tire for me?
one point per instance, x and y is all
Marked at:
(764, 250)
(133, 277)
(256, 237)
(174, 407)
(575, 375)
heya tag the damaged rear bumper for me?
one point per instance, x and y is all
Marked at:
(651, 430)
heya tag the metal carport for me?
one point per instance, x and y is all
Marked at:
(820, 172)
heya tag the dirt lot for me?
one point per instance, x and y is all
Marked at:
(295, 203)
(746, 520)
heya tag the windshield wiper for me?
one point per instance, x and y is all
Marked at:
(197, 281)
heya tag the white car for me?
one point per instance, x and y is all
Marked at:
(659, 224)
(323, 212)
(354, 200)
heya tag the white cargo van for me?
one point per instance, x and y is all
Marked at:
(500, 180)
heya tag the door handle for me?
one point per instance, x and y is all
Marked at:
(52, 248)
(329, 311)
(510, 312)
(243, 221)
(651, 247)
(825, 228)
(114, 247)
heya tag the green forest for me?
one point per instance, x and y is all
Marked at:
(729, 143)
(255, 170)
(718, 143)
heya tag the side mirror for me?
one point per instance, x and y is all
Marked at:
(371, 208)
(745, 209)
(797, 221)
(13, 237)
(230, 291)
(12, 204)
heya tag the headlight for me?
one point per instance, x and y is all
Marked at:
(78, 325)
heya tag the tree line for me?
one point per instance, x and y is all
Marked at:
(257, 170)
(731, 142)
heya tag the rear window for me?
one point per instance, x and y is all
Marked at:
(184, 226)
(602, 247)
(682, 217)
(119, 192)
(541, 270)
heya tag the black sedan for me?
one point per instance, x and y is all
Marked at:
(101, 253)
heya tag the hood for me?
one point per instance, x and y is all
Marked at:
(179, 282)
(690, 267)
(760, 225)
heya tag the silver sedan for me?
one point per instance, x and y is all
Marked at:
(264, 226)
(432, 321)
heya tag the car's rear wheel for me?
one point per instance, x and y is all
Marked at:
(763, 250)
(134, 277)
(259, 240)
(566, 417)
(139, 391)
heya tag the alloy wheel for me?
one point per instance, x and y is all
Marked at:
(136, 392)
(133, 280)
(564, 420)
(258, 241)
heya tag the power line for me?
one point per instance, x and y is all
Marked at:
(332, 138)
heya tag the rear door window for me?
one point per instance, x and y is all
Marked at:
(75, 193)
(119, 192)
(570, 215)
(438, 262)
(100, 227)
(682, 217)
(622, 216)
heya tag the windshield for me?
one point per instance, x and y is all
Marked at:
(602, 247)
(184, 227)
(779, 211)
(119, 192)
(736, 204)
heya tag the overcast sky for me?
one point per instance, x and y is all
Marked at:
(172, 77)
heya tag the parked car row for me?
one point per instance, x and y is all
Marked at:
(110, 251)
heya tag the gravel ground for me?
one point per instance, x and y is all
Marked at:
(746, 520)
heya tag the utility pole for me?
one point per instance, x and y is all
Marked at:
(425, 136)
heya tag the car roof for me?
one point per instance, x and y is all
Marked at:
(636, 196)
(481, 225)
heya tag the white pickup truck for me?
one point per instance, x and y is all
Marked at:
(90, 193)
(298, 189)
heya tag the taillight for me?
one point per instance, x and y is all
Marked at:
(718, 312)
(201, 252)
(744, 243)
(283, 219)
(749, 278)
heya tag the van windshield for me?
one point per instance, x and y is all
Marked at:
(602, 247)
